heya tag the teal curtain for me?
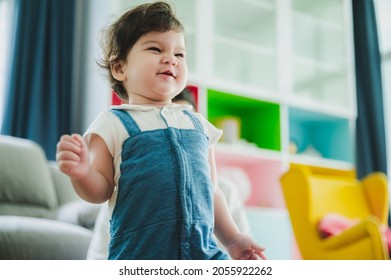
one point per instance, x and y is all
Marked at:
(370, 137)
(371, 140)
(38, 92)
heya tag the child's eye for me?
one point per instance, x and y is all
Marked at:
(154, 49)
(181, 55)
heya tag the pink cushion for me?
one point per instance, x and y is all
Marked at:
(387, 233)
(333, 224)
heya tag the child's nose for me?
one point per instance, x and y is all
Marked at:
(170, 59)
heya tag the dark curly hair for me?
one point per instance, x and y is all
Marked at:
(119, 37)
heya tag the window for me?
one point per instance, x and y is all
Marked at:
(5, 26)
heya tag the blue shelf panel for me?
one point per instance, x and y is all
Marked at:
(328, 135)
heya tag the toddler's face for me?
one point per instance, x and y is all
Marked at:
(155, 69)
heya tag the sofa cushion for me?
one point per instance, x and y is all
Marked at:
(29, 238)
(79, 213)
(25, 179)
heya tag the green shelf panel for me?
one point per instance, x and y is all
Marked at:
(260, 120)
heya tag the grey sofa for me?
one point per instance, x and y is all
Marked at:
(41, 217)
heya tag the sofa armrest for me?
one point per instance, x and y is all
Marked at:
(26, 238)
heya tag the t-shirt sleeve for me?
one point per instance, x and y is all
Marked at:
(210, 130)
(109, 128)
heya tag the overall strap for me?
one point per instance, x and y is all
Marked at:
(196, 122)
(130, 125)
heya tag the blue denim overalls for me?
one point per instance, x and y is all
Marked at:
(164, 207)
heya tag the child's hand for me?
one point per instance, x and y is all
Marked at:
(72, 156)
(242, 247)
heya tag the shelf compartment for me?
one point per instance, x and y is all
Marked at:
(260, 120)
(320, 136)
(243, 64)
(263, 175)
(320, 51)
(252, 21)
(244, 42)
(318, 42)
(321, 82)
(326, 10)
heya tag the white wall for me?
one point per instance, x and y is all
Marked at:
(97, 92)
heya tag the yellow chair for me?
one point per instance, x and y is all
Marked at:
(309, 196)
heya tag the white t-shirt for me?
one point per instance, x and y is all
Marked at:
(109, 127)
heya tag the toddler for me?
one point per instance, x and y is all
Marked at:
(153, 159)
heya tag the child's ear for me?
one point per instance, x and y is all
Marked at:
(117, 71)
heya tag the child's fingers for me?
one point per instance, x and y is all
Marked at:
(69, 139)
(68, 143)
(67, 155)
(253, 256)
(261, 255)
(68, 147)
(244, 256)
(257, 248)
(78, 138)
(259, 251)
(66, 165)
(67, 160)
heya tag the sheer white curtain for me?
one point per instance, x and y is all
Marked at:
(383, 12)
(5, 27)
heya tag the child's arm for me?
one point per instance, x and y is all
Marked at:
(239, 246)
(90, 168)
